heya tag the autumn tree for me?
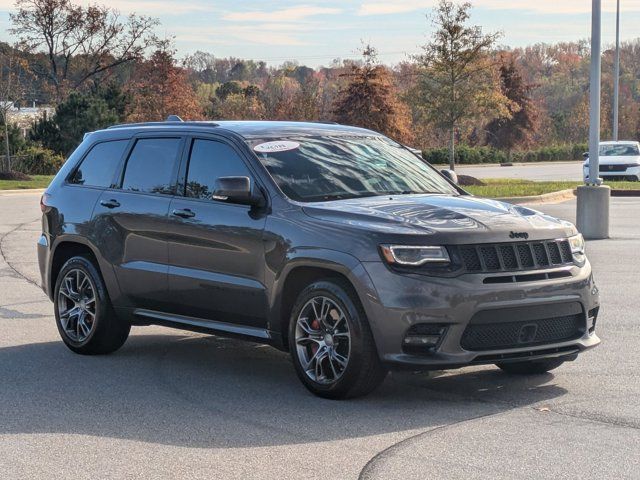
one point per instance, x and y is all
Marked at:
(370, 99)
(234, 102)
(80, 43)
(162, 89)
(458, 79)
(516, 128)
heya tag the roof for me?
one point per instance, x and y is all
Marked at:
(256, 129)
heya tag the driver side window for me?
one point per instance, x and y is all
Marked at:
(208, 161)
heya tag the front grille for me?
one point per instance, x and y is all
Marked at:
(503, 335)
(514, 256)
(614, 168)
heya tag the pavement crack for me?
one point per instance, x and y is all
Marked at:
(600, 420)
(368, 471)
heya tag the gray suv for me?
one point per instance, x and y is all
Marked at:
(331, 242)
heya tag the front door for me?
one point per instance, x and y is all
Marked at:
(216, 253)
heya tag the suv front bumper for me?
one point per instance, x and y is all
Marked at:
(396, 302)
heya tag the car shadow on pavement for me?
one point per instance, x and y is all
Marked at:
(205, 391)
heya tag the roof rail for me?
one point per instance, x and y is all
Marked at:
(174, 118)
(160, 124)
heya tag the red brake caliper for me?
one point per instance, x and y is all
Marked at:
(316, 326)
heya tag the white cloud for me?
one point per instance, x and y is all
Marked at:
(376, 7)
(285, 15)
(146, 7)
(267, 34)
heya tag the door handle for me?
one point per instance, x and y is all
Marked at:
(110, 203)
(184, 213)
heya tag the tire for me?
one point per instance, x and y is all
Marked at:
(534, 367)
(350, 334)
(100, 331)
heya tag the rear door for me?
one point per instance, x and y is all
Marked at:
(216, 253)
(130, 221)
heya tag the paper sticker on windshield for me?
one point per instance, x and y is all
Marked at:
(279, 146)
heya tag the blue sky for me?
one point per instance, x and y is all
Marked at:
(315, 32)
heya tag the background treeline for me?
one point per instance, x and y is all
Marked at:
(522, 104)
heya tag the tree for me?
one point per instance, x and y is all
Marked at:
(457, 77)
(370, 99)
(162, 89)
(516, 129)
(79, 114)
(81, 43)
(12, 70)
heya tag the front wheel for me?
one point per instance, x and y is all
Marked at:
(331, 344)
(533, 367)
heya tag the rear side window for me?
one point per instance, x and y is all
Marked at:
(208, 161)
(151, 165)
(99, 166)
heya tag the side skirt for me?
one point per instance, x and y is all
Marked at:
(151, 317)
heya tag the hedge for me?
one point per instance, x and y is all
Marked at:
(36, 160)
(472, 155)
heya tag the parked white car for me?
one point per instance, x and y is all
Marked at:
(618, 161)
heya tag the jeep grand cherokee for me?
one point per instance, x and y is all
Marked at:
(332, 242)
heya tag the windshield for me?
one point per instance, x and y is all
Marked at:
(628, 150)
(310, 169)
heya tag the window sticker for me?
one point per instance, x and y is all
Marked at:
(278, 146)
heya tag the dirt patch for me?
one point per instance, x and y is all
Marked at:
(23, 177)
(469, 181)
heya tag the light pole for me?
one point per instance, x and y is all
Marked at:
(592, 217)
(616, 77)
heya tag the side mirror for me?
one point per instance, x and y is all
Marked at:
(237, 190)
(450, 175)
(585, 155)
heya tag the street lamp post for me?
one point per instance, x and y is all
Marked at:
(592, 216)
(616, 77)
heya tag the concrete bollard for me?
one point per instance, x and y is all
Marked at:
(592, 218)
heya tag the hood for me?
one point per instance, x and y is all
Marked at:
(443, 215)
(617, 160)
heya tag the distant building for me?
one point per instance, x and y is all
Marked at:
(24, 117)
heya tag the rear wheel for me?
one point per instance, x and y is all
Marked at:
(533, 367)
(331, 344)
(84, 315)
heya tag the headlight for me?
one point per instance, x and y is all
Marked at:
(414, 256)
(577, 248)
(577, 243)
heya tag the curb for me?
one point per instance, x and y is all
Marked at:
(552, 197)
(21, 191)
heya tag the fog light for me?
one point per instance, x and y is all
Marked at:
(426, 341)
(423, 338)
(592, 317)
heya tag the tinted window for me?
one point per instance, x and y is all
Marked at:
(210, 160)
(99, 166)
(151, 165)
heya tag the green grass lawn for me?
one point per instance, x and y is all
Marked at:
(37, 181)
(500, 187)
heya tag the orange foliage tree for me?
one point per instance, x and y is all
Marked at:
(370, 100)
(162, 89)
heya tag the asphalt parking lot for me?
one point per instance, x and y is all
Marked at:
(547, 171)
(172, 404)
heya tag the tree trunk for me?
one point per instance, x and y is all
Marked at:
(452, 148)
(6, 165)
